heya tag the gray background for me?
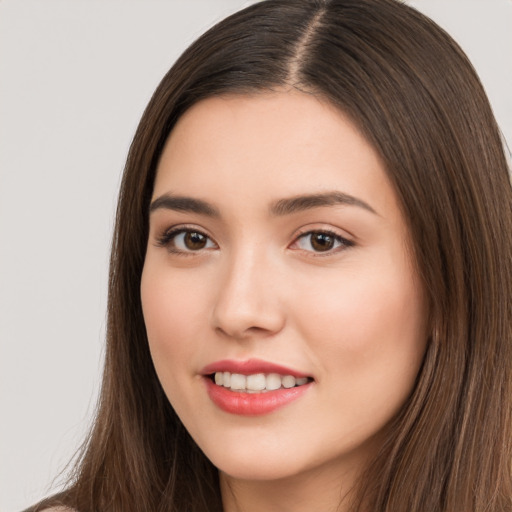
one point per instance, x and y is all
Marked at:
(74, 79)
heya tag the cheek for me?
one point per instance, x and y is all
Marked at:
(368, 329)
(172, 314)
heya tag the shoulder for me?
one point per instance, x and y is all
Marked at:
(52, 504)
(57, 509)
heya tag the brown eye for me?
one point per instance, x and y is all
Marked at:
(322, 242)
(194, 241)
(182, 241)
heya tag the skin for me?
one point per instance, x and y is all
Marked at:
(352, 317)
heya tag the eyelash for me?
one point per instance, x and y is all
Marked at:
(167, 238)
(343, 242)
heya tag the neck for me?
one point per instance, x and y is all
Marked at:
(322, 490)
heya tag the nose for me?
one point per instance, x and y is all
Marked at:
(248, 302)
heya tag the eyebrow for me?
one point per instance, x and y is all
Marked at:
(306, 202)
(281, 207)
(184, 204)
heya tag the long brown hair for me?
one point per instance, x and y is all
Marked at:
(414, 95)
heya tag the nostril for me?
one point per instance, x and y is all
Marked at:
(241, 333)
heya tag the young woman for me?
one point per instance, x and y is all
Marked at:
(311, 279)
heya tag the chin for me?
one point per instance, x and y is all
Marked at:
(264, 471)
(261, 464)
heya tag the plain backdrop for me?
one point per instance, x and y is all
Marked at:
(75, 76)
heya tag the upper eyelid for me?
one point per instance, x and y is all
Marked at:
(180, 228)
(165, 236)
(331, 230)
(335, 235)
(344, 238)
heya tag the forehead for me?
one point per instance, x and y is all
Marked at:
(269, 145)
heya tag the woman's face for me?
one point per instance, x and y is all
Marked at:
(277, 257)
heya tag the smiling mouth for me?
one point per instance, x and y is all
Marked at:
(257, 382)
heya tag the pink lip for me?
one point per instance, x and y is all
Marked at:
(251, 404)
(249, 367)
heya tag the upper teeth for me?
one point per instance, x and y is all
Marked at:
(258, 381)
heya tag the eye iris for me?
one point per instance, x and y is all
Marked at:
(322, 242)
(194, 241)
